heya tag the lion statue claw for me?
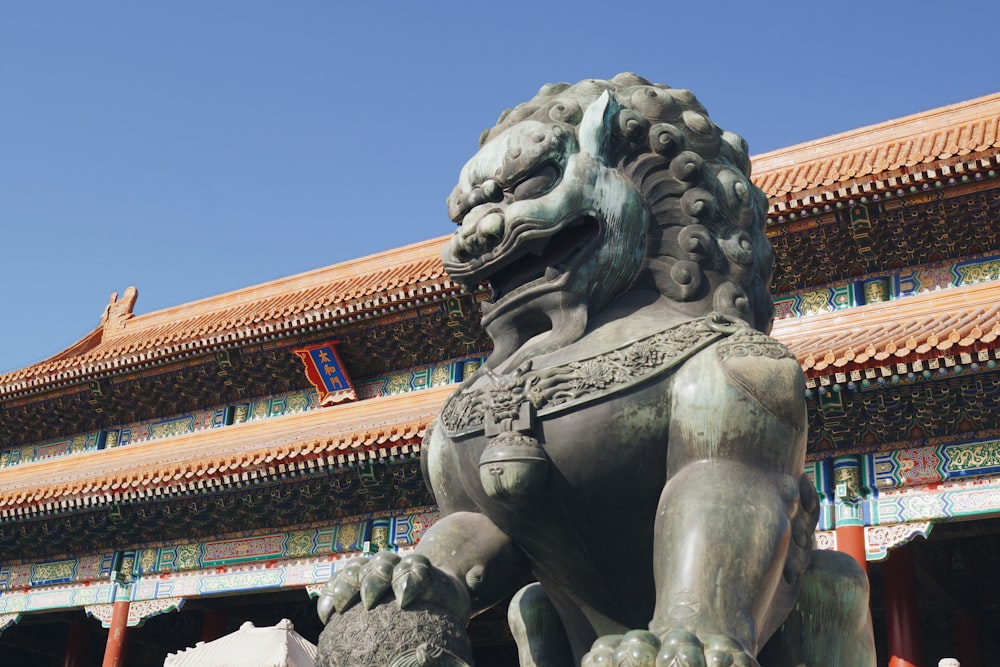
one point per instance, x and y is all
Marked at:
(635, 442)
(640, 648)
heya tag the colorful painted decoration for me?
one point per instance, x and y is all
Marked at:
(326, 372)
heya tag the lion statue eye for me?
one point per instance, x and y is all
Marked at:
(492, 192)
(537, 183)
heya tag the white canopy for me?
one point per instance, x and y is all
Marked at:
(278, 646)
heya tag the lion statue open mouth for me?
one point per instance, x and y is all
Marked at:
(628, 463)
(587, 191)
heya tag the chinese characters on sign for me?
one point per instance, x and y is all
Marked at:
(326, 372)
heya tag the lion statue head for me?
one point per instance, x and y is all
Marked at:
(589, 191)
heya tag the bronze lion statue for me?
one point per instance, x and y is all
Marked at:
(628, 464)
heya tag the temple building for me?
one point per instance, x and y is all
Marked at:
(177, 473)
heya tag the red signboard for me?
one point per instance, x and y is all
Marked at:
(326, 372)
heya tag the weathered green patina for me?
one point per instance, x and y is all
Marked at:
(635, 442)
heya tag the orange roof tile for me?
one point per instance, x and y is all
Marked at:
(332, 293)
(959, 133)
(933, 324)
(953, 134)
(218, 457)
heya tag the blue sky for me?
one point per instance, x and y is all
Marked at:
(193, 148)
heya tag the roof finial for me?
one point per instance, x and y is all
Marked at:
(118, 311)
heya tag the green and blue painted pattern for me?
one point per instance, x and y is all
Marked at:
(938, 482)
(934, 464)
(401, 529)
(401, 382)
(886, 286)
(90, 568)
(83, 442)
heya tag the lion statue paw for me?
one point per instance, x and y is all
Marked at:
(410, 615)
(410, 579)
(677, 648)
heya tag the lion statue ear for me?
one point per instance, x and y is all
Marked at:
(595, 127)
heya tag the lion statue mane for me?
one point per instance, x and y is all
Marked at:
(705, 241)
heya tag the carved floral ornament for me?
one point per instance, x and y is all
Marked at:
(879, 540)
(138, 612)
(561, 387)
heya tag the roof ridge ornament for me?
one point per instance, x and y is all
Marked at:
(118, 311)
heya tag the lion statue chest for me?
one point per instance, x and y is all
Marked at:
(574, 446)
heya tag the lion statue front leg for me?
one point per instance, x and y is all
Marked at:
(413, 611)
(735, 520)
(830, 625)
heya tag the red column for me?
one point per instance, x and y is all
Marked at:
(902, 611)
(213, 624)
(77, 641)
(848, 508)
(114, 652)
(851, 541)
(968, 640)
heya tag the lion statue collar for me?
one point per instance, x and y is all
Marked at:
(488, 398)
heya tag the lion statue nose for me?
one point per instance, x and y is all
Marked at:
(478, 234)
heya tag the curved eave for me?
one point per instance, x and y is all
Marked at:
(941, 142)
(948, 141)
(359, 289)
(220, 458)
(933, 324)
(930, 325)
